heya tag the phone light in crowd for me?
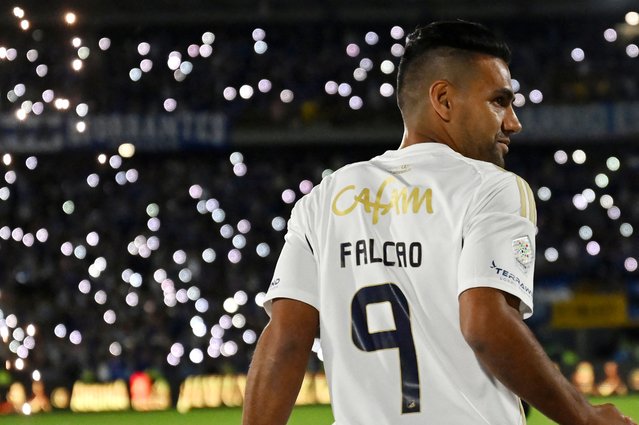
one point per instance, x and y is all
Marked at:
(632, 18)
(70, 18)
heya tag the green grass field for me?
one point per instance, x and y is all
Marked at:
(308, 415)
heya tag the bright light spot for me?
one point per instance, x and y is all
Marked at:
(614, 213)
(18, 12)
(288, 196)
(577, 54)
(239, 241)
(75, 337)
(397, 50)
(355, 103)
(115, 349)
(185, 275)
(249, 336)
(84, 286)
(610, 35)
(259, 299)
(42, 235)
(344, 89)
(186, 67)
(80, 252)
(305, 186)
(76, 41)
(613, 163)
(544, 193)
(24, 24)
(82, 109)
(601, 180)
(234, 256)
(630, 264)
(371, 38)
(208, 37)
(239, 321)
(593, 248)
(170, 104)
(179, 257)
(37, 108)
(366, 64)
(632, 18)
(228, 349)
(32, 55)
(585, 233)
(520, 100)
(330, 87)
(208, 255)
(100, 297)
(135, 74)
(70, 18)
(606, 201)
(104, 43)
(263, 250)
(68, 207)
(387, 67)
(360, 74)
(246, 92)
(579, 156)
(80, 126)
(397, 32)
(146, 65)
(153, 224)
(278, 224)
(589, 194)
(36, 375)
(144, 48)
(202, 305)
(230, 93)
(230, 305)
(172, 360)
(260, 47)
(76, 64)
(264, 85)
(244, 226)
(632, 50)
(258, 34)
(580, 202)
(196, 355)
(177, 349)
(536, 96)
(352, 50)
(218, 215)
(205, 50)
(626, 229)
(286, 96)
(84, 52)
(109, 317)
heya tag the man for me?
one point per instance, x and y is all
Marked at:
(418, 265)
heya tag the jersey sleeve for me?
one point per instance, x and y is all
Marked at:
(295, 274)
(499, 239)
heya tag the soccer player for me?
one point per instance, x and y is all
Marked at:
(417, 265)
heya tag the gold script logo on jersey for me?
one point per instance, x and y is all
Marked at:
(388, 198)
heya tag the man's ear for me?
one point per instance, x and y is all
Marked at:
(440, 94)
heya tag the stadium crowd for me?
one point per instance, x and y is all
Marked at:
(159, 261)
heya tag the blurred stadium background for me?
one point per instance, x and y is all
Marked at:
(151, 152)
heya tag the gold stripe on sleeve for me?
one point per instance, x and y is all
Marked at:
(522, 196)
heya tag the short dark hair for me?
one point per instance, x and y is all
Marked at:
(462, 36)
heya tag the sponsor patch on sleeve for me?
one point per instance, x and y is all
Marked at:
(523, 251)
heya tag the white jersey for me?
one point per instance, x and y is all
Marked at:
(383, 249)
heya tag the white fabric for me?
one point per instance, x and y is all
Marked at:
(467, 224)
